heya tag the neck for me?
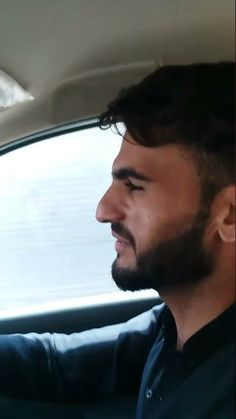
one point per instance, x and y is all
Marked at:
(193, 308)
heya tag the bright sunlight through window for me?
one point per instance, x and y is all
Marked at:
(54, 253)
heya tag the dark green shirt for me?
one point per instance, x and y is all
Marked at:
(137, 359)
(199, 381)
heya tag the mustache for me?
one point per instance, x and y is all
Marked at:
(124, 232)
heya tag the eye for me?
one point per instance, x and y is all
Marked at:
(132, 187)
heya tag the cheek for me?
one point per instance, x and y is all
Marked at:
(160, 218)
(153, 228)
(145, 228)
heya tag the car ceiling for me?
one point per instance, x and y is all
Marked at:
(74, 55)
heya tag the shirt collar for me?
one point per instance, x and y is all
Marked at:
(205, 341)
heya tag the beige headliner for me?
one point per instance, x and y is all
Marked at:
(74, 55)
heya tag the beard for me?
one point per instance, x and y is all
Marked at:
(180, 262)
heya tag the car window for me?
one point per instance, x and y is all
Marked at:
(52, 249)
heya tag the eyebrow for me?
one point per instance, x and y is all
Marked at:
(126, 172)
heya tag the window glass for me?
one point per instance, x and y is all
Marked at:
(51, 247)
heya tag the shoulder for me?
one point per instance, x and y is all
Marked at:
(149, 320)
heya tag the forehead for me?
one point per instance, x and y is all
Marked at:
(162, 161)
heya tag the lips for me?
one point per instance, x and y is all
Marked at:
(120, 239)
(121, 243)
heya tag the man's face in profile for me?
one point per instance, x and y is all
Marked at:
(154, 207)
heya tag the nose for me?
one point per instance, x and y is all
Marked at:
(109, 208)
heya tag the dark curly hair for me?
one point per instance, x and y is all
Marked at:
(190, 105)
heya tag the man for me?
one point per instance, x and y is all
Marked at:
(171, 206)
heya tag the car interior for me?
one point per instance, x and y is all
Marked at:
(65, 60)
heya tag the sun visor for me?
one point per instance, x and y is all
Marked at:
(11, 93)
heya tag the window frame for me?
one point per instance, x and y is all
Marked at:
(83, 303)
(48, 133)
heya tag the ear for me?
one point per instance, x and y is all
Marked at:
(226, 215)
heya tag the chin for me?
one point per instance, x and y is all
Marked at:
(124, 262)
(126, 278)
